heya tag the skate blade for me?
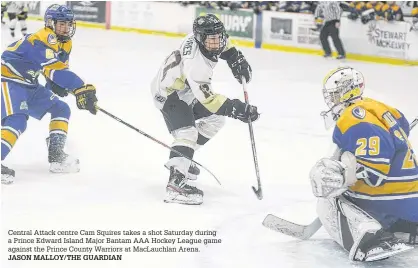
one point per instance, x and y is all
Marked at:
(174, 197)
(59, 168)
(183, 202)
(7, 180)
(386, 255)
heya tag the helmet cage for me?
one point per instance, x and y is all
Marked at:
(60, 13)
(340, 90)
(52, 24)
(204, 28)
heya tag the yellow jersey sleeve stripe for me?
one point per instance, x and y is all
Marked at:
(379, 167)
(6, 72)
(387, 189)
(56, 65)
(374, 160)
(50, 69)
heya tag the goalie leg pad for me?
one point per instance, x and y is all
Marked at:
(346, 223)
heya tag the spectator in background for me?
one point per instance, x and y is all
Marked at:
(331, 12)
(355, 9)
(414, 15)
(392, 12)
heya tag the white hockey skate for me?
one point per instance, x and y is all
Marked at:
(178, 191)
(7, 175)
(68, 164)
(60, 162)
(192, 173)
(386, 246)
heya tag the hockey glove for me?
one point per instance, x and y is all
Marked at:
(239, 65)
(86, 98)
(330, 178)
(242, 111)
(62, 92)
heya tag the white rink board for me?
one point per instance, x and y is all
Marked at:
(166, 17)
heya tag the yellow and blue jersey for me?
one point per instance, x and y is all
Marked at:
(24, 60)
(377, 135)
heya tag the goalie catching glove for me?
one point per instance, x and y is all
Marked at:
(330, 178)
(242, 111)
(86, 98)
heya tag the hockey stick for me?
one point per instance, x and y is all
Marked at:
(258, 192)
(302, 232)
(154, 139)
(413, 123)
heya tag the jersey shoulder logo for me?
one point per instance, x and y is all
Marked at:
(52, 39)
(359, 113)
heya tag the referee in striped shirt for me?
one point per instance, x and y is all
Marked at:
(331, 12)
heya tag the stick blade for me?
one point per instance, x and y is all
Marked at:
(302, 232)
(258, 193)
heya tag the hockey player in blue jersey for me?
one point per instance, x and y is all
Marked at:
(369, 188)
(45, 52)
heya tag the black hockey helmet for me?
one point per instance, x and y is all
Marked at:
(210, 34)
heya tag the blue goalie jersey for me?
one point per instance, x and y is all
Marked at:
(37, 53)
(377, 135)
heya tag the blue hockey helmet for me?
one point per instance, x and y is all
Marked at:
(60, 19)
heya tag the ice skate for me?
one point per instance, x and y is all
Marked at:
(178, 191)
(381, 247)
(60, 162)
(7, 175)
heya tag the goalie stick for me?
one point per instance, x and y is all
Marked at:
(302, 232)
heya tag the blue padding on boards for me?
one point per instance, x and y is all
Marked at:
(258, 30)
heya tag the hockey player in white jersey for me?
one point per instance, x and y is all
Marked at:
(369, 189)
(193, 112)
(17, 11)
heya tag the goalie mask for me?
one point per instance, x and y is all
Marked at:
(341, 87)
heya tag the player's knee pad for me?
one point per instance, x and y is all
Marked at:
(186, 136)
(346, 223)
(60, 109)
(209, 126)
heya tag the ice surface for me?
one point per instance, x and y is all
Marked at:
(122, 180)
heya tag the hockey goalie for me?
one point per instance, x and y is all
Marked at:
(369, 189)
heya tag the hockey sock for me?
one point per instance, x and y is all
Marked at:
(58, 127)
(12, 127)
(186, 151)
